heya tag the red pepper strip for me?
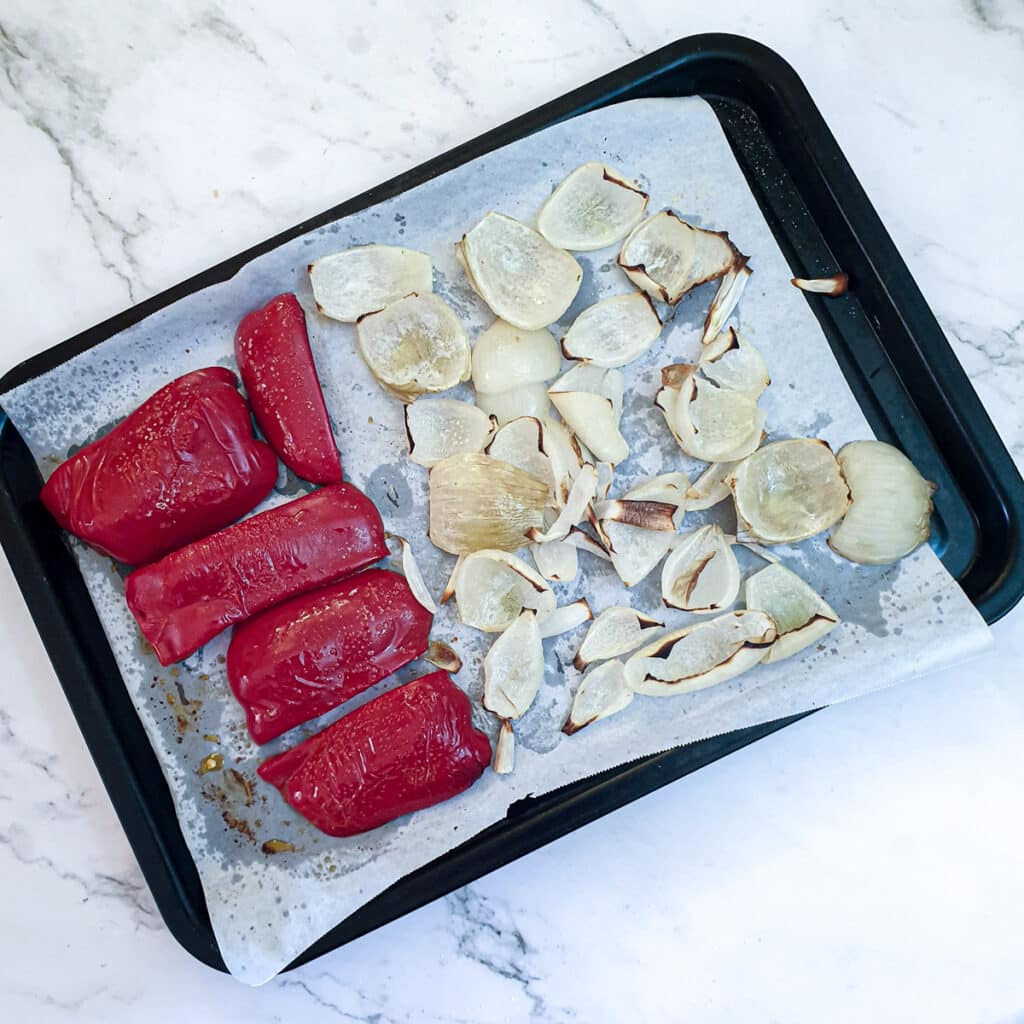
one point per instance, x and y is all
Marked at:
(314, 652)
(183, 464)
(410, 748)
(193, 593)
(276, 363)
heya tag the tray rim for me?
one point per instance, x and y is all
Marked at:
(777, 74)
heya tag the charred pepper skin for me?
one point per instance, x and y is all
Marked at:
(192, 594)
(184, 464)
(306, 656)
(410, 748)
(280, 378)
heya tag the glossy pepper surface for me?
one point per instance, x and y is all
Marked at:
(303, 657)
(407, 749)
(182, 465)
(276, 363)
(190, 595)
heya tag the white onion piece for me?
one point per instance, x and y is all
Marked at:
(593, 207)
(522, 277)
(507, 357)
(449, 588)
(584, 542)
(565, 618)
(439, 427)
(524, 400)
(513, 672)
(644, 513)
(710, 487)
(668, 487)
(414, 345)
(834, 285)
(617, 630)
(589, 400)
(801, 615)
(734, 364)
(701, 574)
(602, 693)
(614, 331)
(493, 588)
(348, 284)
(563, 449)
(520, 443)
(892, 505)
(442, 656)
(701, 655)
(556, 560)
(581, 494)
(666, 257)
(787, 491)
(726, 299)
(413, 576)
(635, 552)
(478, 502)
(709, 422)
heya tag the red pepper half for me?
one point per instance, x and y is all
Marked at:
(312, 653)
(410, 748)
(193, 593)
(183, 464)
(276, 363)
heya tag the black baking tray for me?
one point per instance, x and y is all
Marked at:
(884, 336)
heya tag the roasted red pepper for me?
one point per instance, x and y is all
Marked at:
(276, 363)
(183, 464)
(193, 593)
(314, 652)
(410, 748)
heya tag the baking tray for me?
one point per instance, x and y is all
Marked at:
(884, 336)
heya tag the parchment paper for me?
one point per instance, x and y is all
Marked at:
(898, 621)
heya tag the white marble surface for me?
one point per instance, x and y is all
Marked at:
(864, 864)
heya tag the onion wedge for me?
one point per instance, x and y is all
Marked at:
(666, 257)
(614, 331)
(414, 345)
(524, 400)
(522, 277)
(589, 399)
(832, 286)
(565, 618)
(593, 207)
(506, 357)
(617, 630)
(493, 588)
(725, 302)
(710, 487)
(602, 693)
(708, 422)
(413, 576)
(701, 574)
(801, 616)
(734, 364)
(520, 443)
(787, 491)
(701, 655)
(439, 427)
(347, 285)
(478, 502)
(892, 505)
(513, 672)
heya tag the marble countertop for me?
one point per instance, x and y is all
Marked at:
(864, 864)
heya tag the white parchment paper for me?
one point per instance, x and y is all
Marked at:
(898, 621)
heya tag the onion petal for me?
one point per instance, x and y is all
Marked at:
(617, 630)
(602, 693)
(614, 331)
(701, 574)
(524, 400)
(801, 616)
(710, 487)
(892, 505)
(520, 443)
(593, 207)
(413, 576)
(834, 285)
(734, 364)
(635, 552)
(726, 299)
(439, 427)
(573, 511)
(522, 277)
(701, 654)
(507, 357)
(565, 618)
(589, 399)
(347, 285)
(556, 560)
(493, 588)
